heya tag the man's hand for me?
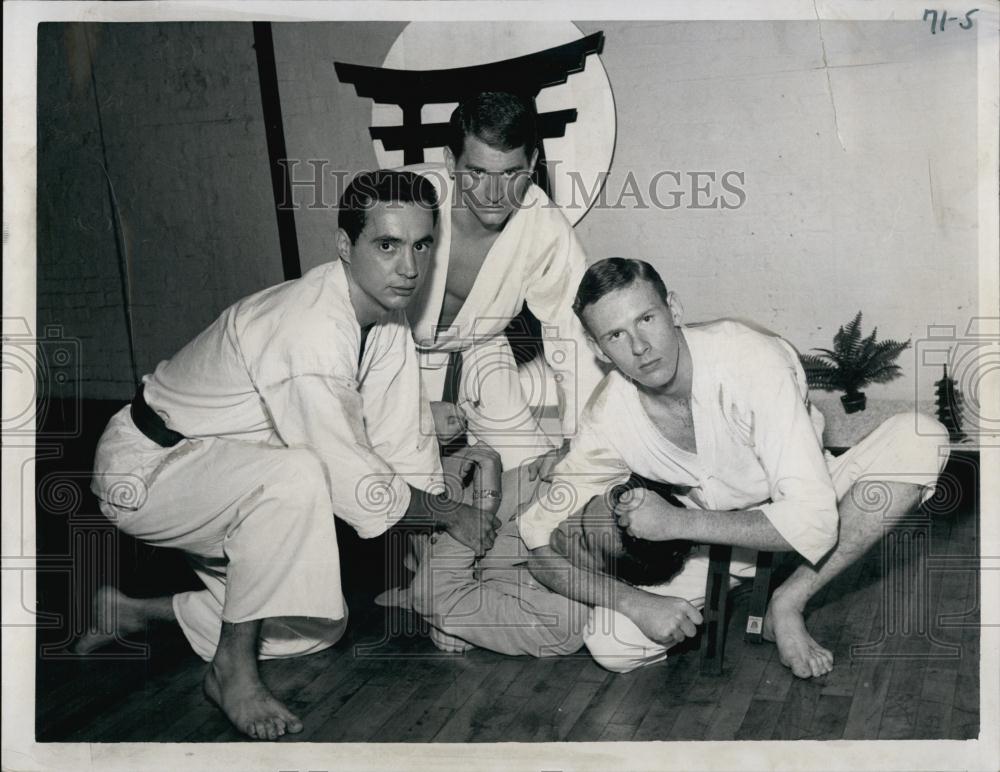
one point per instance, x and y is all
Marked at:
(647, 516)
(664, 619)
(472, 475)
(449, 421)
(543, 466)
(474, 528)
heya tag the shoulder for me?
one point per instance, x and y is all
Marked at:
(538, 206)
(308, 321)
(743, 358)
(732, 339)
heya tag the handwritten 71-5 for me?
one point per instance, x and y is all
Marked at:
(967, 24)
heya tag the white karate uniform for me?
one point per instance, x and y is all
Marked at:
(536, 259)
(758, 447)
(284, 428)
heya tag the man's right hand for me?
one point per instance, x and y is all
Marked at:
(481, 466)
(474, 522)
(663, 619)
(472, 527)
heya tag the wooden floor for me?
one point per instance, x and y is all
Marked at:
(913, 612)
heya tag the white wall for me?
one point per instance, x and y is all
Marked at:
(860, 174)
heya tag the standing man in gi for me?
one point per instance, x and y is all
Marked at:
(720, 412)
(299, 403)
(502, 243)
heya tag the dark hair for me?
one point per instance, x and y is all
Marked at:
(386, 186)
(501, 120)
(644, 562)
(614, 273)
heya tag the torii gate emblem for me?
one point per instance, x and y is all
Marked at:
(411, 90)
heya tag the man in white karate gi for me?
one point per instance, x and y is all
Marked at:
(720, 412)
(502, 242)
(299, 403)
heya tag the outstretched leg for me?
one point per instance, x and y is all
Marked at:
(115, 615)
(233, 683)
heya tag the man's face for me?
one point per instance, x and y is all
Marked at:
(390, 258)
(592, 539)
(591, 536)
(636, 331)
(491, 182)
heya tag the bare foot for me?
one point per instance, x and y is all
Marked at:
(113, 616)
(249, 704)
(784, 625)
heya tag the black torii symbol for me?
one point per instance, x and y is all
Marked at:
(412, 89)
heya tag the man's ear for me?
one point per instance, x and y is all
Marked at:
(532, 161)
(449, 161)
(676, 308)
(343, 246)
(596, 350)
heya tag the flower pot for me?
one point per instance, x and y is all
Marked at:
(854, 402)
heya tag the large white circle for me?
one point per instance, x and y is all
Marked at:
(589, 143)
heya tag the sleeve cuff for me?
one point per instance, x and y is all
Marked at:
(534, 537)
(381, 505)
(810, 527)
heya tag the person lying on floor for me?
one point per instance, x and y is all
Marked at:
(721, 412)
(300, 402)
(495, 603)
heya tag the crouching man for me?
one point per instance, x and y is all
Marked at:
(721, 413)
(298, 403)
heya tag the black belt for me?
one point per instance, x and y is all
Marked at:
(453, 378)
(451, 392)
(148, 422)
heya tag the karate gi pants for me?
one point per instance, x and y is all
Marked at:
(255, 521)
(491, 394)
(504, 609)
(906, 448)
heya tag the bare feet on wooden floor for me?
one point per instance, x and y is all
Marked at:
(247, 703)
(114, 615)
(785, 626)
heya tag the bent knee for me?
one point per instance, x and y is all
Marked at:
(914, 426)
(616, 644)
(617, 659)
(924, 438)
(926, 426)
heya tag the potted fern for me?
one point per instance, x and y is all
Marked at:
(853, 363)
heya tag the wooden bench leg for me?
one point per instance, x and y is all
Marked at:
(759, 597)
(714, 613)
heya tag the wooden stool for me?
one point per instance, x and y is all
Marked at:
(716, 595)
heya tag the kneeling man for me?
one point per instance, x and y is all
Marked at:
(300, 402)
(720, 412)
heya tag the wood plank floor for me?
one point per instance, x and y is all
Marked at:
(902, 626)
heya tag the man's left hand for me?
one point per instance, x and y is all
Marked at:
(647, 516)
